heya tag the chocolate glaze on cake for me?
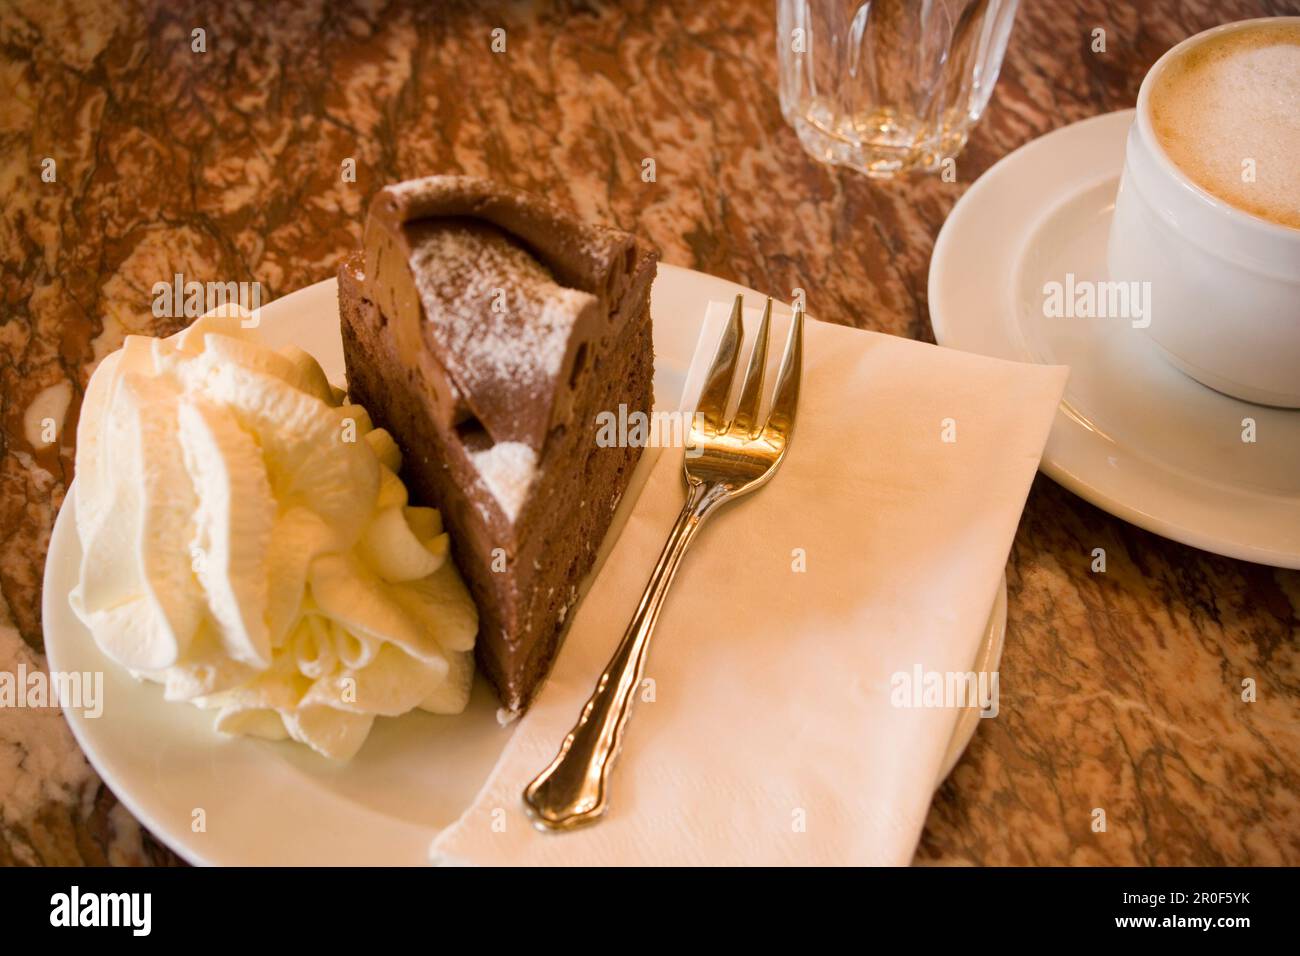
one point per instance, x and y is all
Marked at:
(486, 329)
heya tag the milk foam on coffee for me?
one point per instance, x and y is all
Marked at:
(1232, 99)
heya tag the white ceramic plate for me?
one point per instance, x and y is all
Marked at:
(264, 803)
(1133, 435)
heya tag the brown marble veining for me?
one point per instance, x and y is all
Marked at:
(1119, 690)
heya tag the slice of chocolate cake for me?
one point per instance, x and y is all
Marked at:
(486, 329)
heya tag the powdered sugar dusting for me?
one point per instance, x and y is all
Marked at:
(496, 308)
(508, 469)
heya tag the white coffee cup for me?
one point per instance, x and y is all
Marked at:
(1224, 283)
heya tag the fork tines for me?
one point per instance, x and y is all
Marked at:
(745, 424)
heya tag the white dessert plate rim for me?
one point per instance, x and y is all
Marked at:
(239, 801)
(975, 276)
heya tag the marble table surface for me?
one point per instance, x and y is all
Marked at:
(1120, 691)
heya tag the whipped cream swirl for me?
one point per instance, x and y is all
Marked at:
(248, 544)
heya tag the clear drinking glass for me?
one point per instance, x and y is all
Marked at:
(886, 86)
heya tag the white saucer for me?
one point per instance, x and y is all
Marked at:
(1133, 435)
(269, 803)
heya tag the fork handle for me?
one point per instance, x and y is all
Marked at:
(574, 789)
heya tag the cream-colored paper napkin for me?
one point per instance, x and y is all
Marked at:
(768, 730)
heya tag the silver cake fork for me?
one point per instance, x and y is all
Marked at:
(728, 458)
